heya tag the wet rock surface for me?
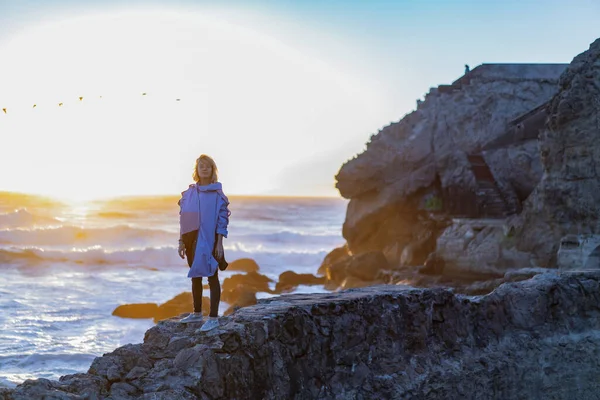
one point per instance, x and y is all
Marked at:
(538, 338)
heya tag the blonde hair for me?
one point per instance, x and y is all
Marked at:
(214, 178)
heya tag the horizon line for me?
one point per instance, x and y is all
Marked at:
(166, 195)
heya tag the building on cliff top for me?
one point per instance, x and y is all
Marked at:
(507, 71)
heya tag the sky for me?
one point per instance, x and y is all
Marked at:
(280, 93)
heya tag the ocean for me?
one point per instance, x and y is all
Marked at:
(65, 267)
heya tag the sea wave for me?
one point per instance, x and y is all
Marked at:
(25, 360)
(118, 236)
(116, 215)
(125, 237)
(17, 368)
(23, 218)
(152, 257)
(295, 239)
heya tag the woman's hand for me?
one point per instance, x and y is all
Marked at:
(219, 250)
(181, 250)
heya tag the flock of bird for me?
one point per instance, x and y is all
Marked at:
(5, 109)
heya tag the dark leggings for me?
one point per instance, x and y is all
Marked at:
(215, 293)
(189, 239)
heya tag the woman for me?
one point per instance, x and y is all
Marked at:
(203, 220)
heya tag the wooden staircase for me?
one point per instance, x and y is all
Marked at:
(490, 202)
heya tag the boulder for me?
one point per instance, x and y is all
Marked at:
(139, 310)
(364, 267)
(254, 280)
(289, 280)
(243, 298)
(240, 290)
(243, 265)
(182, 303)
(233, 294)
(336, 255)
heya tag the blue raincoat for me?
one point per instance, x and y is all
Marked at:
(204, 208)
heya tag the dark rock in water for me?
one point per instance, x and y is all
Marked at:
(289, 280)
(243, 298)
(528, 340)
(240, 290)
(244, 265)
(139, 310)
(336, 255)
(251, 280)
(182, 303)
(235, 295)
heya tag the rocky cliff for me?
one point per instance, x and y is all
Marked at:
(567, 200)
(518, 143)
(421, 163)
(534, 339)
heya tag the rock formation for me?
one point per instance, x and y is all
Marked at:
(517, 143)
(244, 265)
(534, 339)
(290, 280)
(413, 167)
(567, 200)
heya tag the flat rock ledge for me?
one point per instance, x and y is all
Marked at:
(538, 338)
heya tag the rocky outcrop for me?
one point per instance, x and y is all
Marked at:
(534, 339)
(182, 303)
(290, 280)
(244, 265)
(475, 249)
(420, 165)
(567, 200)
(238, 291)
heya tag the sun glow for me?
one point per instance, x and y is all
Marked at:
(259, 107)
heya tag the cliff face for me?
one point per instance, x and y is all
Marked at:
(533, 339)
(425, 155)
(567, 200)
